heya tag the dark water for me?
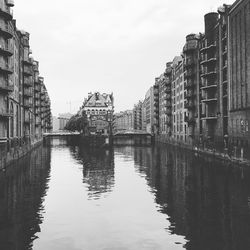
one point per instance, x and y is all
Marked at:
(67, 197)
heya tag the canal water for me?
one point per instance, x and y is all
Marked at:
(64, 196)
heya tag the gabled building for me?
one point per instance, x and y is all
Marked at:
(99, 109)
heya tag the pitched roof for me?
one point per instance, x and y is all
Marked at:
(98, 100)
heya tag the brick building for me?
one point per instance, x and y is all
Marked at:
(25, 112)
(239, 77)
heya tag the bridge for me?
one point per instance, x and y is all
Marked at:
(132, 132)
(120, 138)
(61, 133)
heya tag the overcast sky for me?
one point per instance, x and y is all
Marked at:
(117, 46)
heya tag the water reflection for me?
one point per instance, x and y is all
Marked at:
(98, 169)
(207, 202)
(23, 187)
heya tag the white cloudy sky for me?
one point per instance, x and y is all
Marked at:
(117, 46)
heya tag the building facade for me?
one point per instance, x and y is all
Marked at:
(25, 112)
(148, 109)
(99, 109)
(179, 94)
(202, 100)
(124, 121)
(239, 78)
(137, 116)
(192, 88)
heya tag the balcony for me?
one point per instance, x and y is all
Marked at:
(206, 87)
(208, 60)
(6, 89)
(7, 12)
(6, 69)
(27, 71)
(206, 73)
(5, 51)
(209, 99)
(5, 114)
(208, 47)
(27, 61)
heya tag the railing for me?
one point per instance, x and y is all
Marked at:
(207, 86)
(208, 46)
(207, 60)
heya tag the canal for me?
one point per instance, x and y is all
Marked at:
(64, 196)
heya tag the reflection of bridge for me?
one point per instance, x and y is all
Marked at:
(132, 137)
(132, 132)
(61, 133)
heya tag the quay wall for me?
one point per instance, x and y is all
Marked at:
(9, 155)
(239, 154)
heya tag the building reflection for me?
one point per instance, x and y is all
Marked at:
(207, 202)
(98, 169)
(23, 187)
